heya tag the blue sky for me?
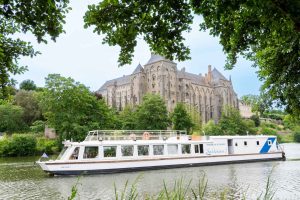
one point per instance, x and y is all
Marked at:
(80, 54)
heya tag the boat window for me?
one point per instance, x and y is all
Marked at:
(186, 148)
(62, 153)
(257, 142)
(269, 142)
(201, 148)
(127, 150)
(196, 148)
(158, 149)
(143, 150)
(75, 153)
(90, 152)
(172, 149)
(109, 151)
(245, 143)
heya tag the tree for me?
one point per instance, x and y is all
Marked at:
(265, 32)
(231, 122)
(27, 85)
(195, 116)
(28, 100)
(152, 113)
(181, 119)
(41, 18)
(11, 118)
(210, 128)
(128, 118)
(71, 108)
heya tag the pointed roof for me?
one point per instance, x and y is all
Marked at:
(216, 75)
(138, 69)
(155, 58)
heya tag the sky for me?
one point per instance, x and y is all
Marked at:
(80, 54)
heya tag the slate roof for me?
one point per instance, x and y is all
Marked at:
(138, 69)
(216, 75)
(118, 81)
(196, 79)
(155, 58)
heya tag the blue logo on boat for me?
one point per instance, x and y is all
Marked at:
(266, 147)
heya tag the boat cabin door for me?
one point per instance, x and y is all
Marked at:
(230, 146)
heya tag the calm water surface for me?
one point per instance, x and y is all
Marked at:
(21, 179)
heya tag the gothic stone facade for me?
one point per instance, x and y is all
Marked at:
(208, 94)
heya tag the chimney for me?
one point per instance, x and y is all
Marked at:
(209, 77)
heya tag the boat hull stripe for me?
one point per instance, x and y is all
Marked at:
(266, 147)
(135, 169)
(150, 159)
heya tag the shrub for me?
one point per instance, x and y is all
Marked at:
(270, 125)
(48, 146)
(297, 134)
(270, 131)
(210, 128)
(250, 126)
(256, 120)
(18, 145)
(38, 126)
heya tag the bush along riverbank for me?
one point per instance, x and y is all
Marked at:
(26, 145)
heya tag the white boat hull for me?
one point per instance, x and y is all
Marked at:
(115, 166)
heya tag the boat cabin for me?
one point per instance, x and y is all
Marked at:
(127, 145)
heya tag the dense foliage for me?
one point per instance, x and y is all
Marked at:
(18, 145)
(231, 122)
(297, 134)
(71, 109)
(128, 118)
(266, 32)
(11, 118)
(26, 145)
(210, 128)
(152, 113)
(28, 100)
(181, 119)
(255, 119)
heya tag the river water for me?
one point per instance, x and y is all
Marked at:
(21, 179)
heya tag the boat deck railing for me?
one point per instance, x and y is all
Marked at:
(100, 135)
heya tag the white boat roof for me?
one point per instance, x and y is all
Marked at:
(240, 136)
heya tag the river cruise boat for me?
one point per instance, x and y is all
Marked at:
(111, 151)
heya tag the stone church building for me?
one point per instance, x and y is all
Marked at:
(208, 93)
